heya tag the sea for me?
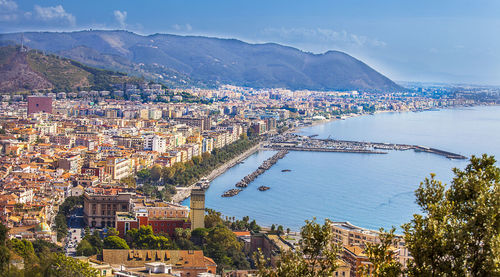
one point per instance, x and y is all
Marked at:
(367, 190)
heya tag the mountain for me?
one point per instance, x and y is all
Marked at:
(33, 70)
(191, 60)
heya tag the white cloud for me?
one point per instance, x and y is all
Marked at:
(121, 17)
(323, 35)
(186, 27)
(7, 5)
(8, 10)
(56, 13)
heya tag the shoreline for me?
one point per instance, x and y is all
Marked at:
(182, 193)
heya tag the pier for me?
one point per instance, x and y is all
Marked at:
(266, 165)
(293, 142)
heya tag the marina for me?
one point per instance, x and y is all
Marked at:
(294, 142)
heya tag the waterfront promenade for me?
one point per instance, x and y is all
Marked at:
(184, 192)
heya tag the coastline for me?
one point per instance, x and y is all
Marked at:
(183, 193)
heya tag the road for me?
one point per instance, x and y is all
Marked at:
(75, 232)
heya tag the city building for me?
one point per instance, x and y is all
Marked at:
(99, 209)
(197, 203)
(182, 262)
(37, 104)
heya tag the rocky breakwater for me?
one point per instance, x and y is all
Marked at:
(267, 164)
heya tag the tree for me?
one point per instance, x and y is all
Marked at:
(128, 181)
(144, 175)
(156, 173)
(4, 250)
(458, 235)
(382, 257)
(144, 238)
(222, 246)
(84, 248)
(23, 248)
(112, 232)
(69, 267)
(213, 218)
(315, 255)
(114, 242)
(280, 230)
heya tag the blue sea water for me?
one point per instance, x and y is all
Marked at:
(370, 191)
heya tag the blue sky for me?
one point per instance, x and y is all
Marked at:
(440, 40)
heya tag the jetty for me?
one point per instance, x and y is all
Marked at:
(231, 192)
(294, 142)
(266, 165)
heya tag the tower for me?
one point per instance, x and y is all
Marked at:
(197, 206)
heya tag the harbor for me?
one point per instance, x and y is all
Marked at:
(294, 142)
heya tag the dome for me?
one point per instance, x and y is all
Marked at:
(42, 227)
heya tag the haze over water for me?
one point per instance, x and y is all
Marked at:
(370, 191)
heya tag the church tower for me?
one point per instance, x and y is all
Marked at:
(197, 205)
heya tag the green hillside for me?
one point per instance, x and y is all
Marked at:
(33, 70)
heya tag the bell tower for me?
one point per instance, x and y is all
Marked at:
(197, 206)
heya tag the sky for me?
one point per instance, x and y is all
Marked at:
(449, 41)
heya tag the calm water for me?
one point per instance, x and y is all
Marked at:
(370, 191)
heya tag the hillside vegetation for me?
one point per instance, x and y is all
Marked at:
(33, 70)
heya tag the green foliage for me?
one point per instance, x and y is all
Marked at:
(84, 248)
(144, 238)
(69, 267)
(223, 246)
(129, 181)
(382, 257)
(213, 218)
(458, 235)
(315, 255)
(112, 232)
(144, 175)
(188, 173)
(114, 242)
(23, 248)
(91, 244)
(156, 173)
(4, 250)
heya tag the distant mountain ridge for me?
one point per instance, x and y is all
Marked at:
(197, 60)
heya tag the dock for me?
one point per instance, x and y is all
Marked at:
(293, 142)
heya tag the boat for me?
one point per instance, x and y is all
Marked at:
(263, 188)
(286, 170)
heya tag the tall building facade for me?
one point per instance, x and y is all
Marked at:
(99, 210)
(197, 206)
(37, 104)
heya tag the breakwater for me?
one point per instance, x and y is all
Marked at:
(294, 142)
(266, 165)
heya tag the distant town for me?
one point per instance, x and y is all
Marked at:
(84, 166)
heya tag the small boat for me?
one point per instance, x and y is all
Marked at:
(263, 188)
(286, 170)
